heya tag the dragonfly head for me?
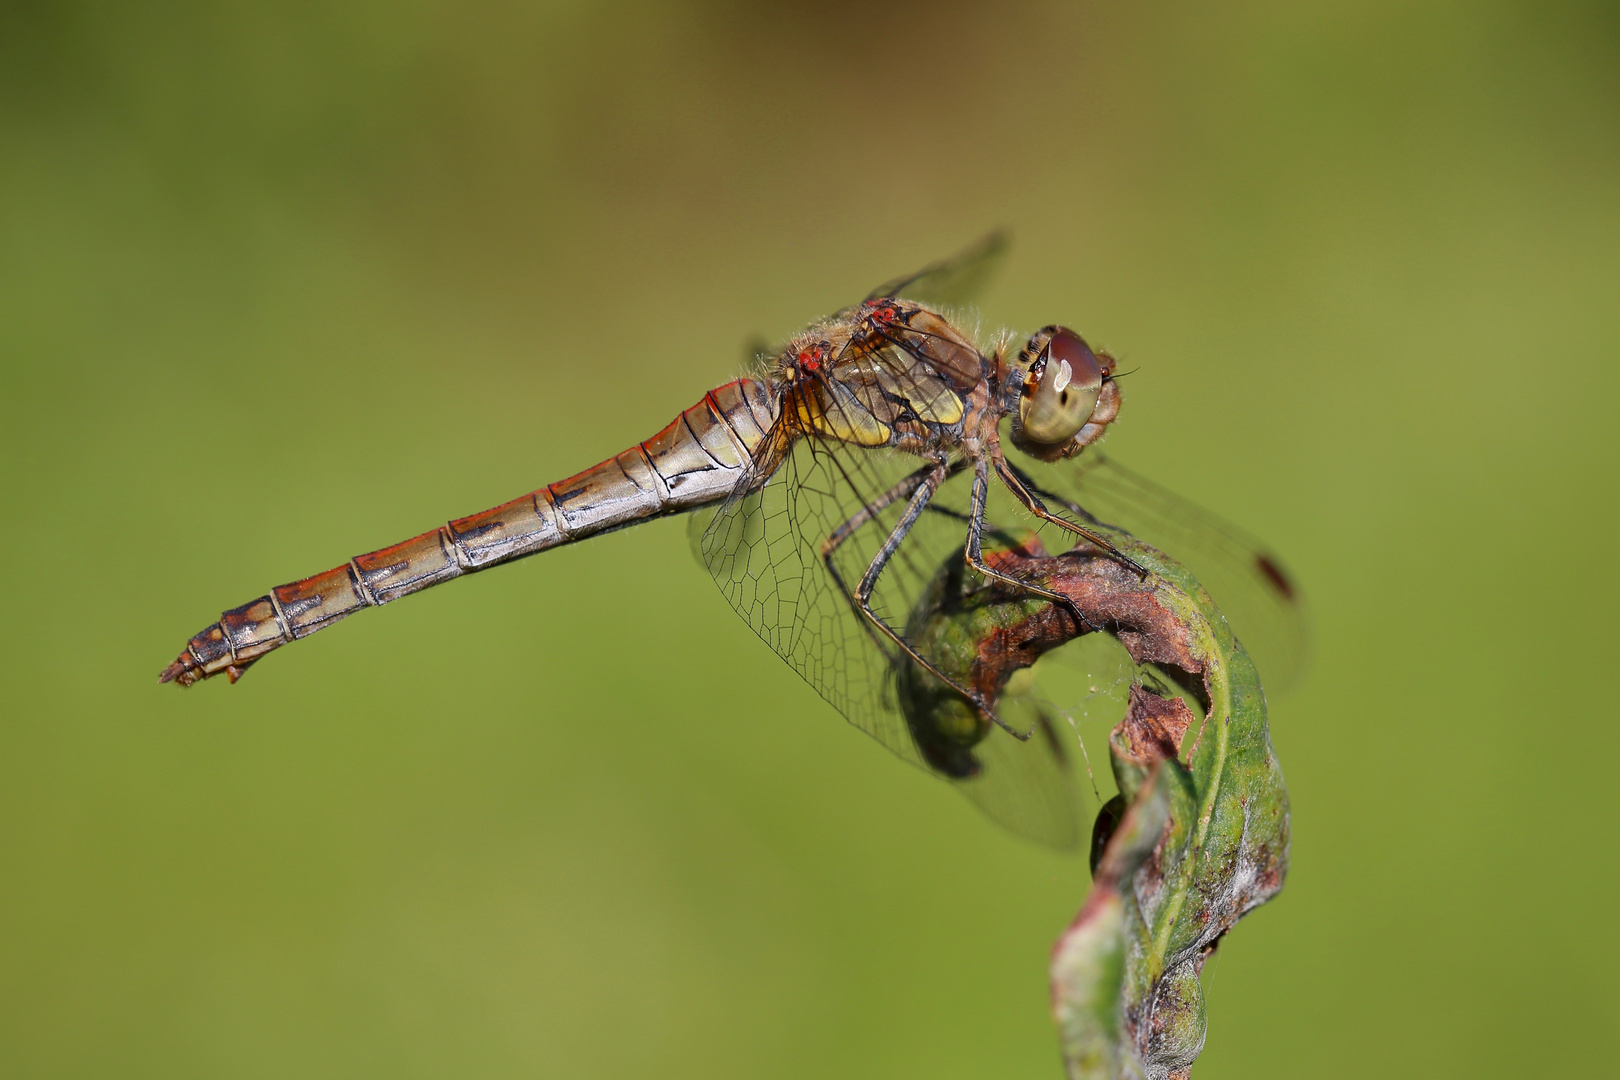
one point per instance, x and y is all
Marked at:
(1065, 394)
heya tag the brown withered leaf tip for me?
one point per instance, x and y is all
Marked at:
(1154, 726)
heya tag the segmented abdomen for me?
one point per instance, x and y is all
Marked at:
(696, 460)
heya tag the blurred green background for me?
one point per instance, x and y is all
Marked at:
(283, 283)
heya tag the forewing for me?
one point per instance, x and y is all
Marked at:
(955, 281)
(764, 548)
(1030, 786)
(1249, 584)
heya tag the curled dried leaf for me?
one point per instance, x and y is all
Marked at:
(1199, 833)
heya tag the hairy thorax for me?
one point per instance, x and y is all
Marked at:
(885, 373)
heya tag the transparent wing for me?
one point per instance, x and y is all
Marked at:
(955, 281)
(1031, 787)
(765, 549)
(1250, 585)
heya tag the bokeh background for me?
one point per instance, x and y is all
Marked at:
(280, 283)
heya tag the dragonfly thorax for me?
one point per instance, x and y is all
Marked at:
(885, 373)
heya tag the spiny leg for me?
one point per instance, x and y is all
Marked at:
(868, 513)
(865, 516)
(975, 557)
(1027, 487)
(902, 490)
(926, 489)
(1016, 482)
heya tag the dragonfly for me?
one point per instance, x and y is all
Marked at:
(826, 489)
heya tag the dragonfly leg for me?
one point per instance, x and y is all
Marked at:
(975, 556)
(867, 514)
(1024, 491)
(921, 486)
(903, 490)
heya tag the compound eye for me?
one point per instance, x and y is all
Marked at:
(1067, 379)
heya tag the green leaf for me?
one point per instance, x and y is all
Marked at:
(1203, 837)
(1224, 849)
